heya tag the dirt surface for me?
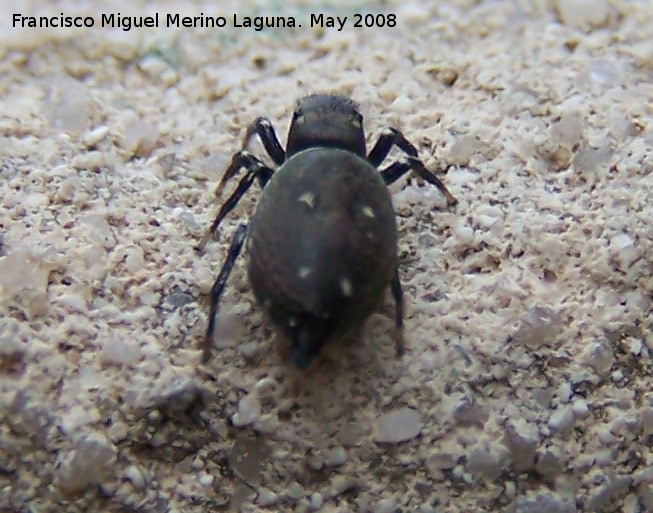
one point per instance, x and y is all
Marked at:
(526, 384)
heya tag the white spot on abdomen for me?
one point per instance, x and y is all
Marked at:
(368, 211)
(346, 287)
(308, 198)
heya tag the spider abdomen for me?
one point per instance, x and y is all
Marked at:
(322, 244)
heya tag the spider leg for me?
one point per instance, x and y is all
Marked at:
(268, 137)
(218, 286)
(255, 169)
(265, 131)
(392, 137)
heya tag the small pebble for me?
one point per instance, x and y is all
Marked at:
(561, 419)
(249, 410)
(614, 488)
(206, 480)
(398, 426)
(118, 431)
(316, 501)
(295, 491)
(335, 457)
(388, 505)
(134, 474)
(91, 160)
(521, 439)
(95, 136)
(484, 463)
(510, 490)
(580, 408)
(91, 462)
(540, 325)
(631, 504)
(249, 349)
(341, 484)
(436, 462)
(599, 356)
(266, 424)
(458, 473)
(266, 498)
(120, 351)
(563, 392)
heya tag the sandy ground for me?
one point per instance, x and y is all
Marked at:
(526, 385)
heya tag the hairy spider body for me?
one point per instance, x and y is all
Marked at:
(322, 246)
(322, 241)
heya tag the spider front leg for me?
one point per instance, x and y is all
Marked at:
(391, 137)
(218, 286)
(268, 137)
(255, 169)
(265, 131)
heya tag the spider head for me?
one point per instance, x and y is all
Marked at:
(323, 120)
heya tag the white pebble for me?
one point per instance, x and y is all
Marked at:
(134, 474)
(438, 461)
(458, 473)
(643, 476)
(398, 426)
(341, 484)
(483, 462)
(567, 131)
(249, 410)
(206, 480)
(561, 419)
(580, 408)
(90, 160)
(599, 356)
(74, 301)
(295, 491)
(23, 278)
(267, 384)
(622, 241)
(464, 234)
(540, 325)
(266, 498)
(386, 505)
(118, 431)
(510, 490)
(118, 351)
(584, 14)
(95, 136)
(90, 463)
(624, 249)
(316, 501)
(336, 456)
(463, 149)
(266, 424)
(563, 392)
(134, 260)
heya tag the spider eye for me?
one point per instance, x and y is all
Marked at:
(298, 116)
